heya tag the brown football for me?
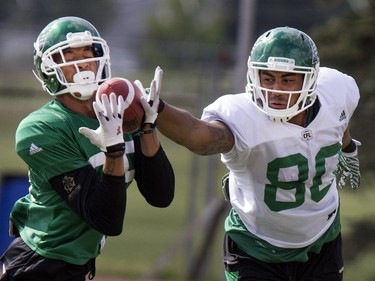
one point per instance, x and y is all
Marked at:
(133, 114)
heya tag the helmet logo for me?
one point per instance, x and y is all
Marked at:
(281, 60)
(281, 64)
(79, 39)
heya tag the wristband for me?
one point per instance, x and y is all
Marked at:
(152, 125)
(116, 148)
(161, 105)
(350, 148)
(115, 151)
(114, 155)
(146, 132)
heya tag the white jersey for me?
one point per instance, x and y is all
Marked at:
(282, 176)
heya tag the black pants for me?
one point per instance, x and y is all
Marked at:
(23, 264)
(325, 266)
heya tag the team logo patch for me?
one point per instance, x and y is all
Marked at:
(307, 135)
(69, 184)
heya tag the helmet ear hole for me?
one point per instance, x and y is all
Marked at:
(97, 50)
(53, 84)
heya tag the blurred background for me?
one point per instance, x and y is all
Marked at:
(202, 46)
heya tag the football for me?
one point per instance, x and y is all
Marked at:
(134, 112)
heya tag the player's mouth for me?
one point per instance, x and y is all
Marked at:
(277, 104)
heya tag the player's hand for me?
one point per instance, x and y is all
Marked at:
(151, 101)
(109, 136)
(348, 168)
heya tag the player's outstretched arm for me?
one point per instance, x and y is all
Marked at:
(199, 136)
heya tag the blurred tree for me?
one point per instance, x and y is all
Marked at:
(21, 13)
(348, 44)
(185, 33)
(189, 31)
(22, 20)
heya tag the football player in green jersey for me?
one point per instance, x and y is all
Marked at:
(79, 160)
(287, 146)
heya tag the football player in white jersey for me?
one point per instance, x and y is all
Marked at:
(287, 146)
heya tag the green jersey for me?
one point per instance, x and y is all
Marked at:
(48, 141)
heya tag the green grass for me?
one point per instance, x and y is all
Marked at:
(149, 233)
(12, 111)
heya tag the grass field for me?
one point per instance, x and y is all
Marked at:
(150, 233)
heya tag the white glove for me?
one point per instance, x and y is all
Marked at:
(150, 102)
(109, 136)
(348, 168)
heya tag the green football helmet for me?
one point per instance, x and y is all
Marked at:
(288, 50)
(55, 38)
